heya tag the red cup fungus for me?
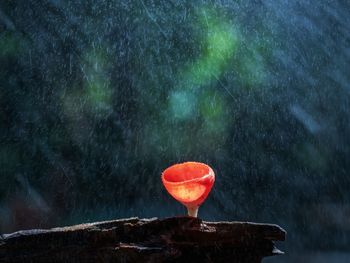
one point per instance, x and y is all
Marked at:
(189, 183)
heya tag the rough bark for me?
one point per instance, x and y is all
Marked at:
(178, 239)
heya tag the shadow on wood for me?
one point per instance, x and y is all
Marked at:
(177, 239)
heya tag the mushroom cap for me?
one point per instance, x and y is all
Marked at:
(189, 182)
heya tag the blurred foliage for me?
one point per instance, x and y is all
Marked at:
(98, 97)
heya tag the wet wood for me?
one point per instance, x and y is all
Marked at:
(177, 239)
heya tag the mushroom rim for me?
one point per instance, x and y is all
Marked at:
(210, 173)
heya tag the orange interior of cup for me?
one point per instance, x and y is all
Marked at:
(189, 182)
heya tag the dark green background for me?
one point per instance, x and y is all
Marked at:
(98, 97)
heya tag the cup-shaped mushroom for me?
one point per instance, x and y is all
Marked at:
(189, 183)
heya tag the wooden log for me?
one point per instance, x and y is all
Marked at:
(177, 239)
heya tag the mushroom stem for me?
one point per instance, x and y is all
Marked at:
(192, 211)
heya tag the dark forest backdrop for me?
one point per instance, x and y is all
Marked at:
(98, 97)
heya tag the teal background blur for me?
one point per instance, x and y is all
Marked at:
(97, 98)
